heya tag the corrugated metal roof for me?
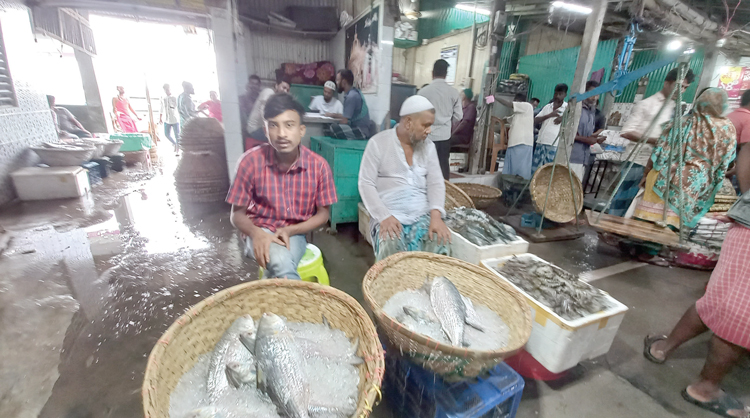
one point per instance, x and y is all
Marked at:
(443, 20)
(261, 8)
(550, 68)
(268, 52)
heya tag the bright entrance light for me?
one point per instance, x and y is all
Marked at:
(468, 8)
(674, 45)
(571, 7)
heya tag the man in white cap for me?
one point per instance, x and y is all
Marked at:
(402, 186)
(327, 103)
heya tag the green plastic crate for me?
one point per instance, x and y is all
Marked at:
(133, 141)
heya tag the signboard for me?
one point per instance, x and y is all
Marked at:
(450, 54)
(731, 80)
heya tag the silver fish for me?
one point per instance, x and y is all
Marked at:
(448, 307)
(228, 349)
(279, 368)
(241, 374)
(472, 319)
(418, 315)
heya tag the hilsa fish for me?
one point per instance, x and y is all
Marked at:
(229, 349)
(452, 310)
(279, 368)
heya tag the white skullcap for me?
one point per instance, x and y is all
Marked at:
(415, 104)
(330, 84)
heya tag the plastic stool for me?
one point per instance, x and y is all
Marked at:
(310, 268)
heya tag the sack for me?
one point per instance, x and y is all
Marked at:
(740, 210)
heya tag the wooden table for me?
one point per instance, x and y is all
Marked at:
(642, 230)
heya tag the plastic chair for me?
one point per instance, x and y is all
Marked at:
(311, 268)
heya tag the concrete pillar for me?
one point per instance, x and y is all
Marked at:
(710, 62)
(583, 68)
(232, 73)
(96, 120)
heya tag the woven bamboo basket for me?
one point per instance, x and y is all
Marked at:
(408, 270)
(197, 332)
(560, 204)
(456, 198)
(482, 196)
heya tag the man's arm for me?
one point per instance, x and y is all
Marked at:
(743, 168)
(503, 101)
(368, 176)
(436, 199)
(629, 129)
(316, 221)
(458, 110)
(261, 239)
(545, 114)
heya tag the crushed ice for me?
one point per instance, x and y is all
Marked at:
(494, 337)
(328, 364)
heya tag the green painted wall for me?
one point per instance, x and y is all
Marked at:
(656, 78)
(550, 68)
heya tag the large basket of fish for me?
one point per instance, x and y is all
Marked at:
(269, 348)
(449, 316)
(573, 321)
(477, 236)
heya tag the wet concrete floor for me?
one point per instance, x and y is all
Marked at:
(88, 285)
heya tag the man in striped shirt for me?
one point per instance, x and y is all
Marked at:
(281, 191)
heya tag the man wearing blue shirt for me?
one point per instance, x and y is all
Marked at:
(355, 122)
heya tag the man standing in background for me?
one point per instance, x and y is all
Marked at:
(580, 156)
(168, 108)
(448, 108)
(550, 117)
(255, 124)
(464, 130)
(185, 104)
(247, 101)
(518, 156)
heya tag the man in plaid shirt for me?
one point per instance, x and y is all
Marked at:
(281, 192)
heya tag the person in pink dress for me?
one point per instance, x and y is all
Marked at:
(213, 106)
(122, 110)
(725, 311)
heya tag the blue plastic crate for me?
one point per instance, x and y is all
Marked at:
(414, 392)
(93, 172)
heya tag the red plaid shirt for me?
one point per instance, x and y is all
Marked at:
(275, 199)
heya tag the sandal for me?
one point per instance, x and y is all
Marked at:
(720, 406)
(647, 343)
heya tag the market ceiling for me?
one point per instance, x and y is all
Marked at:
(702, 21)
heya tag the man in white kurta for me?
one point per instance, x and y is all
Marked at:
(402, 186)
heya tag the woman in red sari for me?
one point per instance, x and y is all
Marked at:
(723, 310)
(122, 109)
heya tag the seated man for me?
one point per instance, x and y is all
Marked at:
(402, 186)
(327, 103)
(67, 124)
(281, 192)
(354, 122)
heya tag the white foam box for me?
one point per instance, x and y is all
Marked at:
(557, 343)
(45, 183)
(364, 222)
(465, 250)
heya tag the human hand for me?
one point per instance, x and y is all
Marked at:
(600, 139)
(438, 230)
(283, 235)
(558, 120)
(390, 228)
(262, 246)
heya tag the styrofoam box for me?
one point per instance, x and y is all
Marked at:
(364, 222)
(465, 250)
(45, 183)
(559, 344)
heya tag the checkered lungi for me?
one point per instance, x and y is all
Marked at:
(627, 191)
(725, 308)
(543, 154)
(339, 131)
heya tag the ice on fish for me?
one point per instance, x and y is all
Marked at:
(334, 393)
(413, 309)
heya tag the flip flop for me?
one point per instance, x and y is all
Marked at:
(647, 343)
(720, 406)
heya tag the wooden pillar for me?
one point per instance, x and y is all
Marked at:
(583, 68)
